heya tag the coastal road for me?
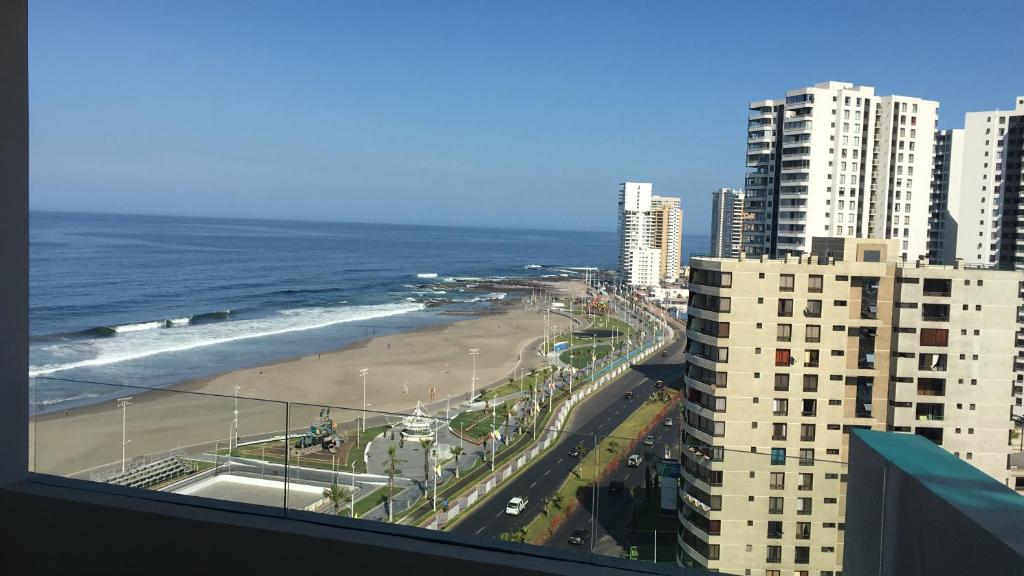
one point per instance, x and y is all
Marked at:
(613, 526)
(598, 416)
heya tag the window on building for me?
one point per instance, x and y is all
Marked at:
(816, 282)
(785, 307)
(787, 282)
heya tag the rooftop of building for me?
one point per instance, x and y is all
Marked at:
(966, 488)
(831, 250)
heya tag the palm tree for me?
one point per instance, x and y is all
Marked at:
(338, 496)
(392, 470)
(426, 443)
(456, 451)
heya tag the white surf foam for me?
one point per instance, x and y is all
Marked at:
(142, 343)
(137, 327)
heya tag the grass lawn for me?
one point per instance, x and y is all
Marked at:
(581, 356)
(519, 384)
(611, 449)
(476, 424)
(611, 323)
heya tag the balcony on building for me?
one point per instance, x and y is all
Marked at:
(939, 287)
(933, 434)
(931, 387)
(864, 406)
(930, 411)
(935, 312)
(932, 362)
(868, 296)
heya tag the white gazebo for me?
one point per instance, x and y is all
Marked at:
(418, 425)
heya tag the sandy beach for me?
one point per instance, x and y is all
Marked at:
(401, 370)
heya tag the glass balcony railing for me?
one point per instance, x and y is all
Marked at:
(512, 468)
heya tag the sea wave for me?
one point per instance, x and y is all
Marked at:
(140, 326)
(490, 296)
(142, 343)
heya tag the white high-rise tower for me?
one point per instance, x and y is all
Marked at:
(834, 159)
(726, 222)
(650, 232)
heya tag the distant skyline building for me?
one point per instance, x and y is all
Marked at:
(978, 200)
(947, 169)
(649, 235)
(667, 234)
(835, 159)
(727, 222)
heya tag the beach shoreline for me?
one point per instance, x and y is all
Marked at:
(430, 364)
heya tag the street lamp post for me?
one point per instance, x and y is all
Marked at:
(123, 403)
(352, 492)
(362, 423)
(474, 352)
(236, 418)
(434, 474)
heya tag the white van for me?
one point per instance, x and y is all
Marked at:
(634, 460)
(515, 506)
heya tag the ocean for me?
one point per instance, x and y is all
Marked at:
(154, 301)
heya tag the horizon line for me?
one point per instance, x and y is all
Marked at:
(309, 221)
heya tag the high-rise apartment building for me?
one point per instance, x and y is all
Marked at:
(666, 234)
(649, 234)
(785, 356)
(947, 171)
(726, 222)
(983, 201)
(834, 159)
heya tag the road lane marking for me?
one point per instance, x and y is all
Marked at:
(481, 529)
(548, 471)
(499, 514)
(534, 484)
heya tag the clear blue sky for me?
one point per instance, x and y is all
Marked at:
(474, 112)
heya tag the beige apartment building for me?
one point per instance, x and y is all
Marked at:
(785, 356)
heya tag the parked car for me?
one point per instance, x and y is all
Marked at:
(575, 452)
(634, 460)
(659, 384)
(628, 395)
(616, 486)
(579, 536)
(664, 353)
(649, 440)
(668, 421)
(515, 506)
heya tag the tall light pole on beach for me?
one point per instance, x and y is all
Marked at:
(123, 403)
(362, 422)
(474, 352)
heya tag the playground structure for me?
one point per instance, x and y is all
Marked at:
(321, 434)
(419, 425)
